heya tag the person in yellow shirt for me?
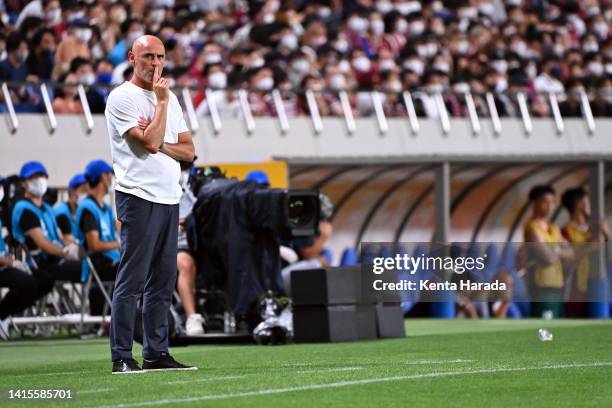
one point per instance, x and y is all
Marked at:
(547, 253)
(578, 231)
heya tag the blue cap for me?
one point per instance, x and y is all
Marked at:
(96, 168)
(31, 168)
(76, 181)
(1, 179)
(258, 176)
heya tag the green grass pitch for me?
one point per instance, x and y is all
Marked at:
(487, 363)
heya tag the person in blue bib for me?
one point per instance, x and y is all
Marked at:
(34, 225)
(65, 213)
(24, 288)
(96, 227)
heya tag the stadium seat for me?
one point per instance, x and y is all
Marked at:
(327, 253)
(349, 257)
(491, 262)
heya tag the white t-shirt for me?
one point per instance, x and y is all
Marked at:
(152, 177)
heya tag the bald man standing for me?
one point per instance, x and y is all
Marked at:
(148, 137)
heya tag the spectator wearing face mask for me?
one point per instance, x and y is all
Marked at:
(15, 68)
(95, 227)
(602, 104)
(299, 67)
(66, 99)
(375, 34)
(570, 106)
(392, 87)
(74, 44)
(34, 224)
(550, 78)
(260, 83)
(211, 54)
(225, 101)
(362, 67)
(130, 30)
(315, 84)
(335, 81)
(65, 213)
(86, 76)
(48, 10)
(24, 287)
(594, 64)
(40, 61)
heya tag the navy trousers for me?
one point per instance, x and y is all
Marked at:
(147, 268)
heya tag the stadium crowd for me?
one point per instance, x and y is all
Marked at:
(450, 46)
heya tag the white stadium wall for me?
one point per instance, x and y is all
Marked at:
(370, 166)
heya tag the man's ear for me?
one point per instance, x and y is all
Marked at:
(131, 56)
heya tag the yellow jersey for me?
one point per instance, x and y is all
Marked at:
(550, 276)
(576, 235)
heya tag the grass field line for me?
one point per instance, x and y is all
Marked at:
(55, 373)
(457, 361)
(329, 370)
(341, 384)
(227, 377)
(99, 390)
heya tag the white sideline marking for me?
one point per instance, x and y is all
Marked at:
(229, 377)
(94, 391)
(55, 373)
(330, 370)
(350, 383)
(417, 362)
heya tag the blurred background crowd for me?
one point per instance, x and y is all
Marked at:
(450, 46)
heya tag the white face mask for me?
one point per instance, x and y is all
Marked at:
(158, 15)
(442, 66)
(590, 46)
(461, 88)
(133, 36)
(596, 68)
(213, 58)
(394, 86)
(401, 26)
(386, 65)
(344, 66)
(259, 62)
(415, 66)
(301, 66)
(84, 34)
(417, 27)
(500, 66)
(289, 41)
(54, 16)
(81, 197)
(341, 45)
(337, 82)
(1, 193)
(377, 26)
(265, 84)
(87, 79)
(362, 64)
(217, 80)
(37, 187)
(358, 24)
(384, 6)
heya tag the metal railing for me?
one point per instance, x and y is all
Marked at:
(379, 100)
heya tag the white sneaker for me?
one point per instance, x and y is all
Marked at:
(194, 325)
(4, 329)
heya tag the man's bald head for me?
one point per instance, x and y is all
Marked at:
(145, 42)
(147, 56)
